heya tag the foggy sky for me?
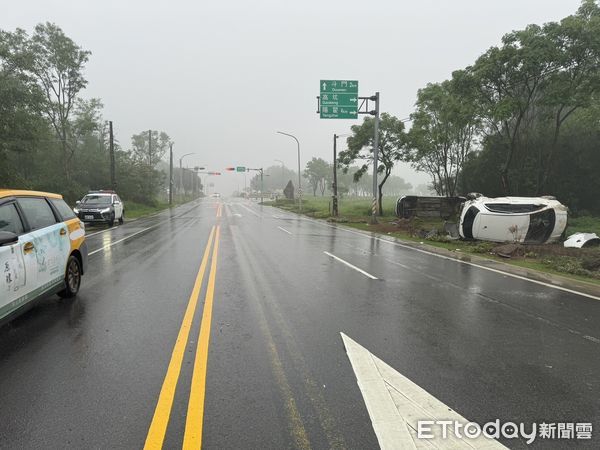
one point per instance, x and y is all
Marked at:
(222, 77)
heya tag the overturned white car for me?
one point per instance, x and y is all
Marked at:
(530, 220)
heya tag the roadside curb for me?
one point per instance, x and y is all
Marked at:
(536, 275)
(589, 289)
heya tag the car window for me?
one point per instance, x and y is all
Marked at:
(37, 211)
(99, 199)
(512, 208)
(63, 209)
(10, 220)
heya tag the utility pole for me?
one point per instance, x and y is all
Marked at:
(170, 174)
(150, 148)
(375, 207)
(262, 186)
(111, 149)
(335, 191)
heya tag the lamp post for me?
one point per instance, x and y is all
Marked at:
(299, 173)
(181, 169)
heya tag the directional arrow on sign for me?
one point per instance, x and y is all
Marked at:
(396, 404)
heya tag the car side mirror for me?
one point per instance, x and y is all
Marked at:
(7, 238)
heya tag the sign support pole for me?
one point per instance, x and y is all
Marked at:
(375, 209)
(335, 191)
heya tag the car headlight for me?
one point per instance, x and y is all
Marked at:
(105, 210)
(76, 210)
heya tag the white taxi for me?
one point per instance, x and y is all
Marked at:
(42, 250)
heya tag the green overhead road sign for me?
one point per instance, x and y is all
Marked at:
(339, 99)
(240, 169)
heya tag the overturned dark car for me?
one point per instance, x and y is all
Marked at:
(529, 220)
(410, 206)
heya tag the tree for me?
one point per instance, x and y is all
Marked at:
(52, 61)
(146, 156)
(576, 44)
(22, 126)
(319, 173)
(510, 80)
(445, 126)
(392, 142)
(150, 153)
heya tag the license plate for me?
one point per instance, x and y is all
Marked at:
(89, 217)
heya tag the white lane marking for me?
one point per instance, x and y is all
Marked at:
(245, 207)
(479, 266)
(237, 214)
(284, 230)
(396, 404)
(101, 231)
(107, 246)
(143, 217)
(351, 266)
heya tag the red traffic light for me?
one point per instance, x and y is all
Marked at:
(231, 169)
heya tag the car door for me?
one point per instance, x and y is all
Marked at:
(47, 243)
(13, 286)
(118, 206)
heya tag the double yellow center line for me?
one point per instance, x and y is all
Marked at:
(193, 427)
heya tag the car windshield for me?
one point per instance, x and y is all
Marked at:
(100, 199)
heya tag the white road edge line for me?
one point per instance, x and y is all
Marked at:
(396, 404)
(107, 246)
(352, 266)
(284, 230)
(479, 266)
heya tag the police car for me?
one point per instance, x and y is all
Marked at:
(100, 207)
(42, 250)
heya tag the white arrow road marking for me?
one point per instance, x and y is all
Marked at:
(284, 230)
(366, 274)
(395, 405)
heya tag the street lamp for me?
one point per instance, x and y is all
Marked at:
(299, 173)
(181, 169)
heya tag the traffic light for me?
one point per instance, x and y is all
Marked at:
(230, 169)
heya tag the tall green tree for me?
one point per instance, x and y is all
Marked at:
(444, 130)
(150, 153)
(52, 61)
(392, 148)
(319, 173)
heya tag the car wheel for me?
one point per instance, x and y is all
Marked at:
(122, 218)
(72, 278)
(111, 221)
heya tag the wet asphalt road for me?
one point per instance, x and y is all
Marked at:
(88, 373)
